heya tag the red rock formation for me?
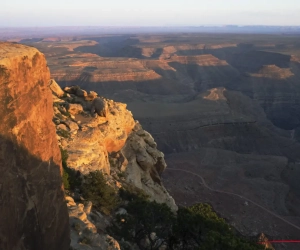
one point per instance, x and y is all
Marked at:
(33, 212)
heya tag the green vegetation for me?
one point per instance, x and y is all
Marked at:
(196, 228)
(93, 186)
(95, 189)
(143, 218)
(131, 193)
(199, 227)
(71, 178)
(121, 174)
(65, 175)
(63, 133)
(151, 225)
(59, 116)
(61, 109)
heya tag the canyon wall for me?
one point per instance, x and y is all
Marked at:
(33, 211)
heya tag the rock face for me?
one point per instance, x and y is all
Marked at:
(115, 144)
(144, 165)
(33, 212)
(84, 233)
(56, 90)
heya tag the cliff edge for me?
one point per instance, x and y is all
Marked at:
(111, 142)
(33, 212)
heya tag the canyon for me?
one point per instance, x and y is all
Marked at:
(223, 109)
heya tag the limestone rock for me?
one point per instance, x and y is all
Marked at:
(116, 141)
(33, 212)
(75, 109)
(96, 137)
(84, 233)
(73, 126)
(62, 126)
(145, 164)
(91, 96)
(55, 88)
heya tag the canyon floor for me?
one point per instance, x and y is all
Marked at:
(223, 107)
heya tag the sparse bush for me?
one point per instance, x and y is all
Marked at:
(143, 218)
(59, 116)
(65, 178)
(96, 190)
(71, 178)
(65, 113)
(85, 241)
(121, 174)
(130, 193)
(61, 109)
(63, 133)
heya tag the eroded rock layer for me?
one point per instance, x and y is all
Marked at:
(33, 212)
(112, 142)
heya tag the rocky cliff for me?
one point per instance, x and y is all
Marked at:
(33, 211)
(113, 143)
(104, 138)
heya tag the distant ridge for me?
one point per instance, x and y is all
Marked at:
(31, 32)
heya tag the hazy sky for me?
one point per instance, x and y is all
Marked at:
(148, 13)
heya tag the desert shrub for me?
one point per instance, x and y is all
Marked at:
(65, 178)
(59, 116)
(142, 219)
(65, 113)
(199, 227)
(61, 108)
(95, 189)
(63, 133)
(121, 174)
(196, 227)
(71, 178)
(130, 193)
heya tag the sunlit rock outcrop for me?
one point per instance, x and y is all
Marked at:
(32, 207)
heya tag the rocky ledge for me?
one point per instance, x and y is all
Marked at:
(107, 138)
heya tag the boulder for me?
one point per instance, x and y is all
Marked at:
(73, 126)
(75, 109)
(99, 107)
(62, 126)
(81, 93)
(55, 88)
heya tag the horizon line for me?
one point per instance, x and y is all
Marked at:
(154, 26)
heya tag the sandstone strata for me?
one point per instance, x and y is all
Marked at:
(33, 212)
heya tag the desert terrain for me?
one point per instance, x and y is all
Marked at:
(224, 108)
